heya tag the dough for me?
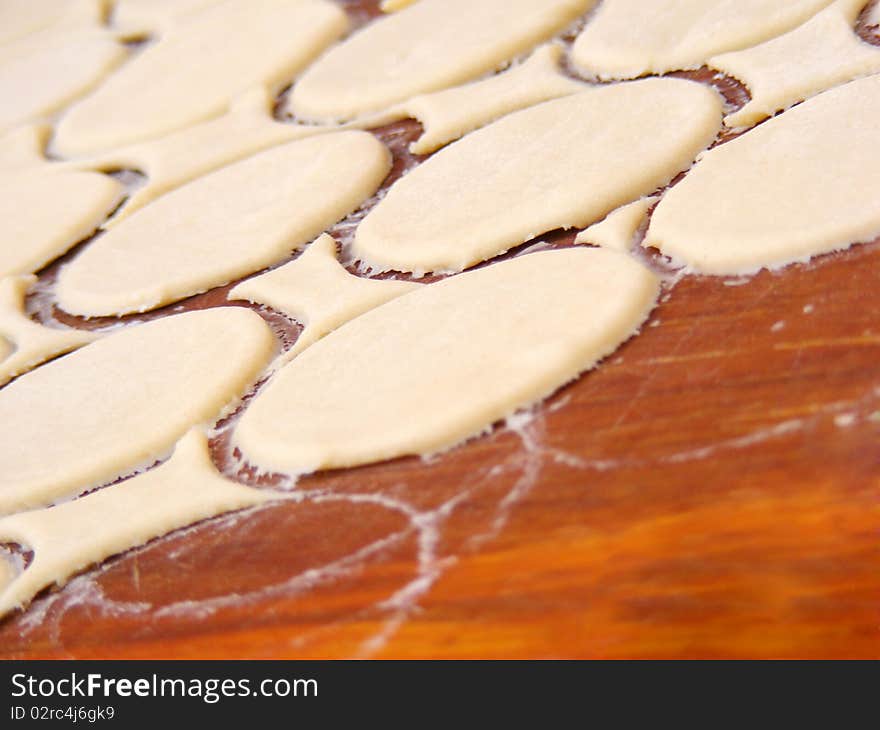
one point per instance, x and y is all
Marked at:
(318, 292)
(73, 536)
(430, 45)
(186, 78)
(618, 230)
(121, 403)
(630, 38)
(19, 18)
(182, 156)
(392, 6)
(33, 343)
(23, 147)
(561, 164)
(44, 211)
(233, 222)
(452, 113)
(801, 184)
(44, 71)
(822, 53)
(137, 18)
(431, 368)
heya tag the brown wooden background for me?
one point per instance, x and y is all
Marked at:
(713, 490)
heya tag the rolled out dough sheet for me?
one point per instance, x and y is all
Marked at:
(452, 113)
(23, 147)
(619, 228)
(630, 38)
(561, 164)
(73, 536)
(822, 53)
(31, 343)
(180, 157)
(318, 292)
(121, 402)
(43, 71)
(183, 78)
(428, 46)
(225, 225)
(45, 209)
(434, 367)
(801, 184)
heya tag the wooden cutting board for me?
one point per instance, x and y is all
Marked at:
(712, 490)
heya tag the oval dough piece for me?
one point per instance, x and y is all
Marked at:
(123, 401)
(801, 184)
(228, 224)
(42, 72)
(194, 71)
(428, 46)
(630, 38)
(561, 164)
(45, 211)
(434, 367)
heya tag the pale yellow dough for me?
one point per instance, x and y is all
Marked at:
(43, 71)
(801, 184)
(452, 113)
(33, 343)
(630, 38)
(822, 53)
(19, 18)
(428, 46)
(619, 228)
(121, 402)
(44, 208)
(71, 537)
(197, 68)
(230, 223)
(135, 18)
(561, 164)
(434, 367)
(318, 292)
(176, 159)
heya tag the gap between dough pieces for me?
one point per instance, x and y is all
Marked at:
(317, 291)
(823, 52)
(75, 535)
(31, 344)
(618, 230)
(60, 431)
(225, 225)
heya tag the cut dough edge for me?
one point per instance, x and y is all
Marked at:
(685, 208)
(73, 536)
(317, 291)
(38, 408)
(32, 343)
(617, 231)
(822, 53)
(284, 197)
(317, 414)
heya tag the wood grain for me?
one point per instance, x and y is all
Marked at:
(712, 490)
